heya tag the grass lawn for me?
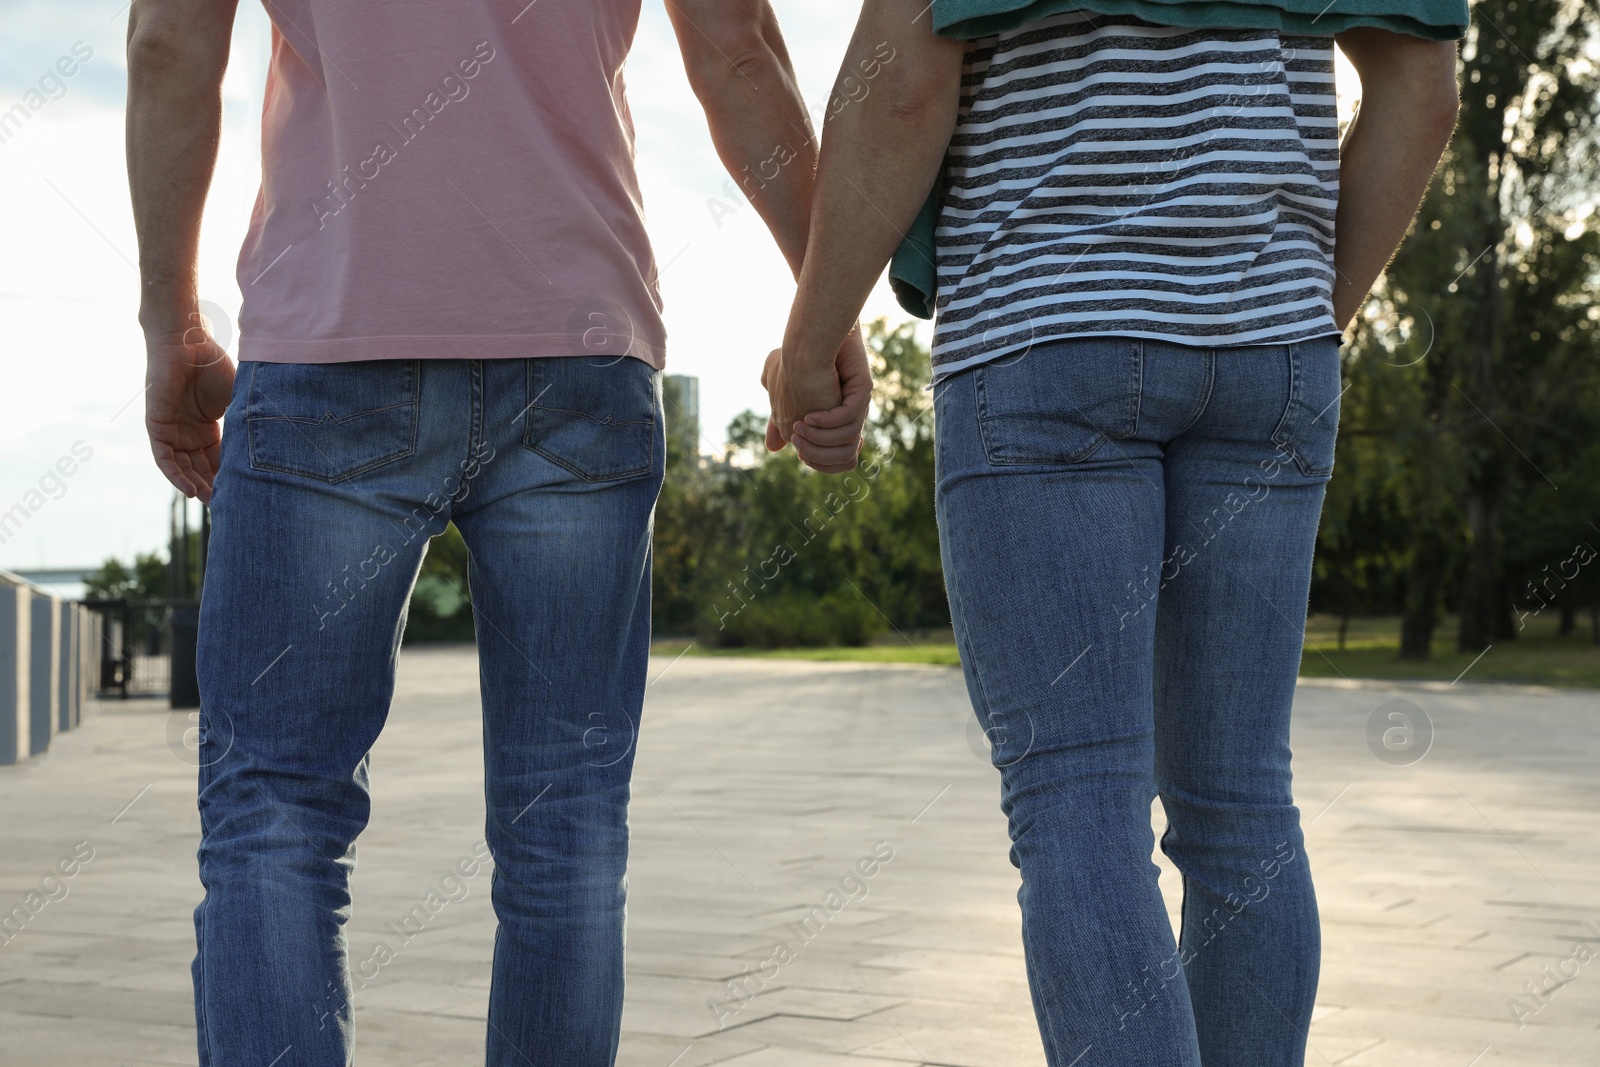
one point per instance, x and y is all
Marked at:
(940, 654)
(1538, 655)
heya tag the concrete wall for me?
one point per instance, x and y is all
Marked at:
(47, 659)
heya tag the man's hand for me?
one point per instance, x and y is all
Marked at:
(177, 55)
(880, 157)
(821, 410)
(188, 380)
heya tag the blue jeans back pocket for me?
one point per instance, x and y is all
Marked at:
(1060, 402)
(596, 417)
(1310, 422)
(331, 421)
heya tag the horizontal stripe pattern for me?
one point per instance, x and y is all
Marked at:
(1110, 177)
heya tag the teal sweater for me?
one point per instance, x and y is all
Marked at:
(911, 273)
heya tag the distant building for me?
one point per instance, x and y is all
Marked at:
(681, 396)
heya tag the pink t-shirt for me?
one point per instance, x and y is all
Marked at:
(448, 181)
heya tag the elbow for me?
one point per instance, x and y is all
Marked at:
(160, 45)
(1442, 110)
(918, 88)
(920, 101)
(1404, 76)
(915, 105)
(726, 54)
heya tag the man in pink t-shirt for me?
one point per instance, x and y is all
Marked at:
(450, 314)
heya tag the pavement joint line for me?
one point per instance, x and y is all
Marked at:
(879, 1012)
(690, 920)
(1503, 837)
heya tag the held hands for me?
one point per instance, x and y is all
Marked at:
(819, 407)
(188, 381)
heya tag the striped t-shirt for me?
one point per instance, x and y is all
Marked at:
(1110, 177)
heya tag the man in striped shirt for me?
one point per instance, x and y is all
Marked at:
(1149, 243)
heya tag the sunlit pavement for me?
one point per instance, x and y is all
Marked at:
(1456, 889)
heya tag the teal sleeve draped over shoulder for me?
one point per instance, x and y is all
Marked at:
(911, 272)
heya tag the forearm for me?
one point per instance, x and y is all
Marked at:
(880, 158)
(174, 122)
(1407, 112)
(745, 81)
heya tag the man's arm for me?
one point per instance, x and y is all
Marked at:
(740, 71)
(1409, 101)
(881, 154)
(177, 53)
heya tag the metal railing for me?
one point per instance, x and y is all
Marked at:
(140, 641)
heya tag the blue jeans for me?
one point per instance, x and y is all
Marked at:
(333, 478)
(1127, 529)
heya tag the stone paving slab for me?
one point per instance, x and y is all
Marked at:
(1445, 885)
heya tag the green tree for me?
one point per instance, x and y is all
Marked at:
(752, 548)
(441, 602)
(146, 579)
(1475, 367)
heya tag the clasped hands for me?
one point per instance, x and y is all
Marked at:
(819, 402)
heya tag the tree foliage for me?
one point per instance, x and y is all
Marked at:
(1467, 454)
(754, 549)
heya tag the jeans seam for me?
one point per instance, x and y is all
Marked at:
(208, 1055)
(475, 428)
(1284, 437)
(1204, 400)
(1135, 387)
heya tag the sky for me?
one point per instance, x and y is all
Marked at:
(72, 444)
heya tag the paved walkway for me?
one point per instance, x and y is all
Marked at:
(1445, 884)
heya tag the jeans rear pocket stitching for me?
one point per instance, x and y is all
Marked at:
(1135, 387)
(415, 404)
(1287, 434)
(530, 429)
(318, 420)
(607, 421)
